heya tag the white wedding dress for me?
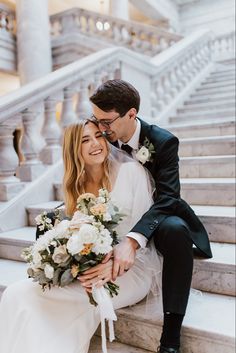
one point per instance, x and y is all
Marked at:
(62, 320)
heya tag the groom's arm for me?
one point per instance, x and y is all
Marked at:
(166, 176)
(167, 183)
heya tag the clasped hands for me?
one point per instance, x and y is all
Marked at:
(115, 264)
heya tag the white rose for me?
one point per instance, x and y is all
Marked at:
(36, 259)
(103, 244)
(74, 244)
(49, 271)
(143, 155)
(62, 229)
(80, 218)
(88, 234)
(60, 254)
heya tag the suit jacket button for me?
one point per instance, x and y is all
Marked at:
(151, 226)
(155, 221)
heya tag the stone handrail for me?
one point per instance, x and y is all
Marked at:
(160, 81)
(142, 38)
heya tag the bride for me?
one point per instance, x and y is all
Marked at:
(62, 319)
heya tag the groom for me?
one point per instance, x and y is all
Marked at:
(177, 232)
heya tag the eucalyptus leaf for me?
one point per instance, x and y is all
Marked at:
(66, 278)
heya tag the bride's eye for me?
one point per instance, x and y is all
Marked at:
(85, 140)
(99, 135)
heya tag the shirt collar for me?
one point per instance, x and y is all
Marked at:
(134, 141)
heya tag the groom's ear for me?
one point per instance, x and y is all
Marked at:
(132, 113)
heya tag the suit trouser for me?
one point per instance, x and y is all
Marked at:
(172, 239)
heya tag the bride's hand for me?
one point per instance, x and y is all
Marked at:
(124, 256)
(100, 274)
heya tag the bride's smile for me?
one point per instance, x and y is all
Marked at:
(93, 146)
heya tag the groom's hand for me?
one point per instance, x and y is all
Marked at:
(124, 255)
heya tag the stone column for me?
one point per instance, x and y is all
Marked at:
(34, 50)
(33, 39)
(119, 9)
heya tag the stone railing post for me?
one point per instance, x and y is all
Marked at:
(83, 108)
(68, 115)
(51, 133)
(31, 167)
(10, 185)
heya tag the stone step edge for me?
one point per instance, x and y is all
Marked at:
(114, 347)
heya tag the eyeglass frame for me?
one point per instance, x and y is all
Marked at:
(105, 124)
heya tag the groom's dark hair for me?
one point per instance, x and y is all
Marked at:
(116, 95)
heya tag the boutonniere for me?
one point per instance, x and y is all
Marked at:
(145, 152)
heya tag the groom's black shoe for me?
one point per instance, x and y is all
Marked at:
(167, 350)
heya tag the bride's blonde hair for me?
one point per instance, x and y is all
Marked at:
(74, 166)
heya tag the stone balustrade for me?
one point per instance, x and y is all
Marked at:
(223, 46)
(179, 69)
(160, 81)
(142, 38)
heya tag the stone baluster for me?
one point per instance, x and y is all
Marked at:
(167, 88)
(10, 185)
(86, 23)
(3, 21)
(51, 133)
(68, 115)
(68, 23)
(11, 23)
(83, 108)
(115, 32)
(160, 95)
(31, 167)
(180, 82)
(110, 72)
(173, 82)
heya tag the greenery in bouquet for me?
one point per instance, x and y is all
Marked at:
(71, 247)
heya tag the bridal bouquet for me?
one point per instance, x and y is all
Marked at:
(73, 246)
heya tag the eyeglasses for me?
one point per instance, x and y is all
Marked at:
(104, 123)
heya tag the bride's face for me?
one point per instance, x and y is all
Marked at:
(94, 146)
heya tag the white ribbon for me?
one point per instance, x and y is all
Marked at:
(106, 309)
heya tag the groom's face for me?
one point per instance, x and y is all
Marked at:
(115, 127)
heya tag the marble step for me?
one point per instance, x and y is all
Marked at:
(209, 191)
(219, 222)
(198, 96)
(226, 89)
(14, 241)
(207, 146)
(114, 347)
(140, 326)
(225, 72)
(205, 129)
(206, 106)
(34, 210)
(200, 116)
(219, 78)
(10, 272)
(207, 167)
(216, 275)
(208, 325)
(221, 84)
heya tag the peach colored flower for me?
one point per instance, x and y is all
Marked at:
(99, 209)
(74, 270)
(87, 249)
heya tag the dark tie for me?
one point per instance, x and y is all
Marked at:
(127, 149)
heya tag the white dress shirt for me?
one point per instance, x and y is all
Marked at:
(134, 143)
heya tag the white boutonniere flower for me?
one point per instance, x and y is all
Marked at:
(145, 152)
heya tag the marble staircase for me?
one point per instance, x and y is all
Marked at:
(207, 171)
